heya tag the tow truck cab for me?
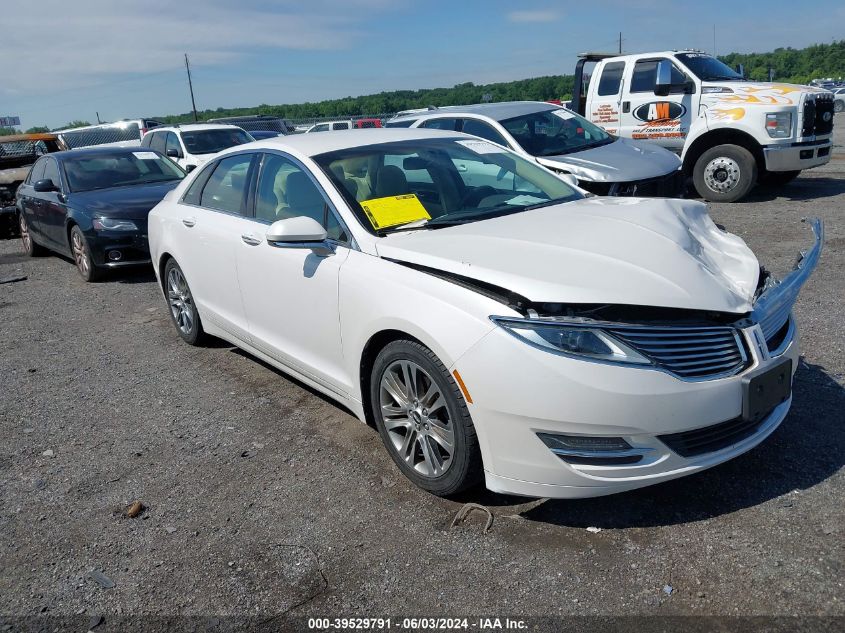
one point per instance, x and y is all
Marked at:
(730, 132)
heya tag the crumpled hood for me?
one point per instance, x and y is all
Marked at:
(631, 251)
(132, 203)
(621, 161)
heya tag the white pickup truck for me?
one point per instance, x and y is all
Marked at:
(729, 132)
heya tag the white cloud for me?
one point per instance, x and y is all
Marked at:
(56, 45)
(536, 15)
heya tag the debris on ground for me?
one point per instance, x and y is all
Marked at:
(469, 507)
(593, 530)
(134, 509)
(11, 280)
(49, 453)
(101, 579)
(668, 589)
(170, 529)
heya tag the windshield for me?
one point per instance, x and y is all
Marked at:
(430, 183)
(102, 171)
(555, 132)
(708, 68)
(213, 141)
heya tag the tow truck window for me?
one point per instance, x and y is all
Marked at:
(645, 76)
(611, 79)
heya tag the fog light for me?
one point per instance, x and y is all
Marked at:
(806, 153)
(115, 256)
(592, 450)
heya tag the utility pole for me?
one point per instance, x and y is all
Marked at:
(191, 87)
(620, 42)
(714, 40)
(98, 117)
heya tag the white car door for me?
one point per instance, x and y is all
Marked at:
(213, 222)
(290, 293)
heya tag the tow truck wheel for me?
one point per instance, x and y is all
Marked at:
(725, 173)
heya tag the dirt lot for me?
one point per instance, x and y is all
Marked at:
(264, 498)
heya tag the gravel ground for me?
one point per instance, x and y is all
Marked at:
(264, 498)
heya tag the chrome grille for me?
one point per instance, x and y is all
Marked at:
(694, 353)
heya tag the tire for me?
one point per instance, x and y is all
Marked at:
(778, 178)
(29, 246)
(725, 173)
(839, 106)
(82, 256)
(436, 448)
(182, 309)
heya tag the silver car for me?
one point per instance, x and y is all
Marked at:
(564, 142)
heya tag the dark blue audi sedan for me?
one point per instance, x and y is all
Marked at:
(92, 205)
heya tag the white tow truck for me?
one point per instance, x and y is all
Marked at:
(729, 132)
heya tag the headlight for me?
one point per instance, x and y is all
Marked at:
(114, 224)
(779, 124)
(578, 341)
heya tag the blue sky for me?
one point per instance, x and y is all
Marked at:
(67, 60)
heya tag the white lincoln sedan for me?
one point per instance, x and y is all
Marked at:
(491, 320)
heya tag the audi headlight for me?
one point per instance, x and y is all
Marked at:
(114, 224)
(577, 341)
(779, 124)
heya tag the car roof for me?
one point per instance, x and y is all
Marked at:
(193, 127)
(315, 144)
(496, 111)
(96, 150)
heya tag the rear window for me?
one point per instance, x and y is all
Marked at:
(611, 79)
(213, 141)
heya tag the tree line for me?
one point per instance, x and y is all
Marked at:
(789, 65)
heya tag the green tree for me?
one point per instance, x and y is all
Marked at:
(38, 129)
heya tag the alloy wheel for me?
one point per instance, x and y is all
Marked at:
(416, 418)
(80, 253)
(722, 174)
(181, 302)
(26, 238)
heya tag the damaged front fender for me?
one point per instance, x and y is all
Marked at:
(774, 304)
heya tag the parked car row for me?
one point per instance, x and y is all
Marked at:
(493, 320)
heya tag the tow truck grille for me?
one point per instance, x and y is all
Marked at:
(692, 353)
(818, 116)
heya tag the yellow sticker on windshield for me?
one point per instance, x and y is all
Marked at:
(394, 210)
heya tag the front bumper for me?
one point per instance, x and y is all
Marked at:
(797, 157)
(132, 247)
(548, 393)
(669, 185)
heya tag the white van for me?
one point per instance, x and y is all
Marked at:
(193, 144)
(125, 133)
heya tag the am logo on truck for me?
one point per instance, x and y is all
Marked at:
(662, 111)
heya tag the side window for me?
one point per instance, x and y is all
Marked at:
(323, 127)
(158, 141)
(51, 172)
(226, 188)
(343, 125)
(645, 76)
(172, 143)
(441, 124)
(611, 79)
(285, 190)
(145, 142)
(37, 171)
(484, 130)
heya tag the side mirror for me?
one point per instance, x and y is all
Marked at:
(741, 70)
(44, 186)
(174, 153)
(663, 82)
(299, 232)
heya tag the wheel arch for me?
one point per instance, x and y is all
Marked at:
(377, 342)
(160, 266)
(723, 136)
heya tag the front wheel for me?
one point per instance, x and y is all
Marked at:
(82, 256)
(725, 173)
(183, 310)
(839, 106)
(423, 419)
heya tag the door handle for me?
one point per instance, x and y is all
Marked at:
(626, 106)
(189, 222)
(250, 239)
